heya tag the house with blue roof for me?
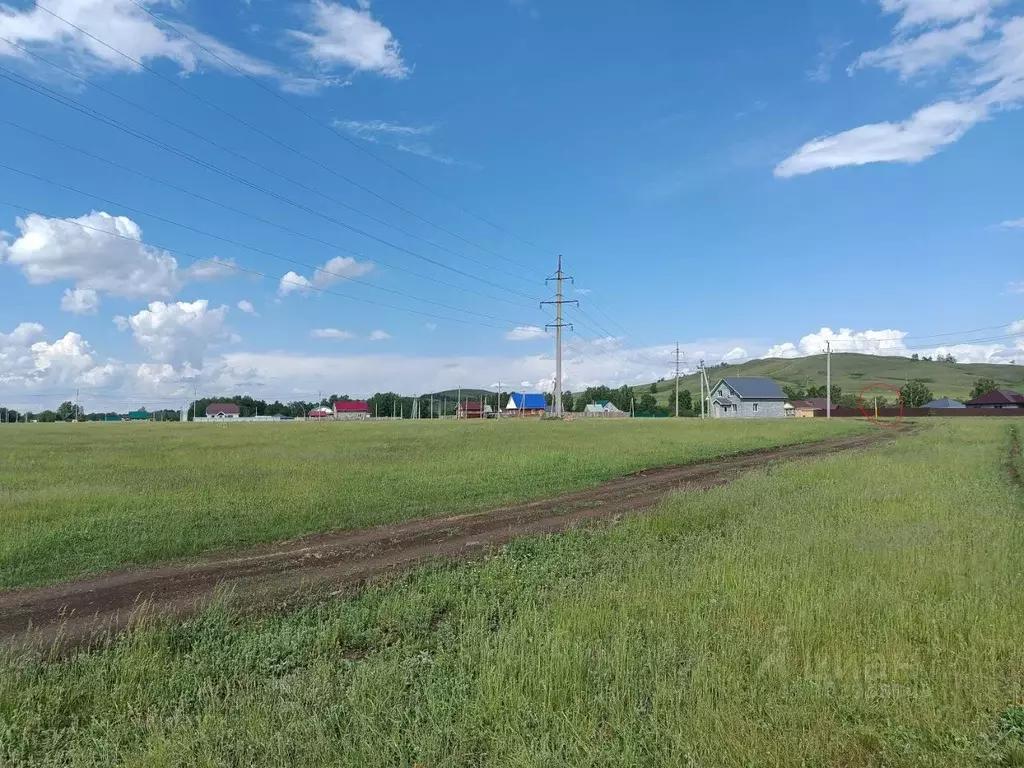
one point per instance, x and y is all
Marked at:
(751, 398)
(520, 404)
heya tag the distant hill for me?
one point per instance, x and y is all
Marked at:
(853, 372)
(452, 394)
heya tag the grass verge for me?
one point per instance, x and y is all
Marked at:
(860, 610)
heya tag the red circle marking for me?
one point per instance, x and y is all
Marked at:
(872, 419)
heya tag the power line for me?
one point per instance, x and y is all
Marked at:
(303, 285)
(342, 136)
(232, 208)
(246, 246)
(216, 169)
(67, 102)
(260, 131)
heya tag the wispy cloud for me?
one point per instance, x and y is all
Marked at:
(930, 36)
(829, 50)
(1012, 224)
(379, 336)
(335, 334)
(411, 139)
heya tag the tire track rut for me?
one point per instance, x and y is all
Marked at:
(273, 576)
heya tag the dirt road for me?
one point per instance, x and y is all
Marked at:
(271, 576)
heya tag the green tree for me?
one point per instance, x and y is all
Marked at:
(685, 403)
(915, 394)
(983, 387)
(794, 393)
(653, 389)
(66, 411)
(648, 404)
(569, 401)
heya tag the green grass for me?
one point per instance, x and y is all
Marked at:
(86, 498)
(853, 372)
(864, 610)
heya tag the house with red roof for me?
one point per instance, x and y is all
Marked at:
(222, 411)
(351, 409)
(1001, 399)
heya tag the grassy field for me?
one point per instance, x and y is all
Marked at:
(863, 610)
(86, 498)
(853, 372)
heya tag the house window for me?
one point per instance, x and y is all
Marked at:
(755, 407)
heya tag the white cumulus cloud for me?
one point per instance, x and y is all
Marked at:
(335, 270)
(379, 336)
(178, 333)
(350, 37)
(28, 361)
(247, 306)
(97, 252)
(80, 301)
(735, 355)
(525, 333)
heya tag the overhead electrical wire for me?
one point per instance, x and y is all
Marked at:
(303, 285)
(239, 211)
(234, 177)
(228, 150)
(345, 138)
(261, 132)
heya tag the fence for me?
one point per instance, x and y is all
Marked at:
(891, 413)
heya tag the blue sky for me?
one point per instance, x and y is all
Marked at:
(747, 179)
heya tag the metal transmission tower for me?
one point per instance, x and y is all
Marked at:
(559, 278)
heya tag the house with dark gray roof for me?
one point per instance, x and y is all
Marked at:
(754, 398)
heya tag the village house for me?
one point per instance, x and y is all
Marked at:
(222, 411)
(804, 409)
(602, 408)
(474, 409)
(351, 410)
(526, 405)
(1001, 399)
(754, 398)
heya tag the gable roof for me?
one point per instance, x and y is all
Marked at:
(755, 388)
(813, 404)
(999, 397)
(944, 403)
(213, 408)
(528, 401)
(351, 406)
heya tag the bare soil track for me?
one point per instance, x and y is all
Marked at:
(273, 576)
